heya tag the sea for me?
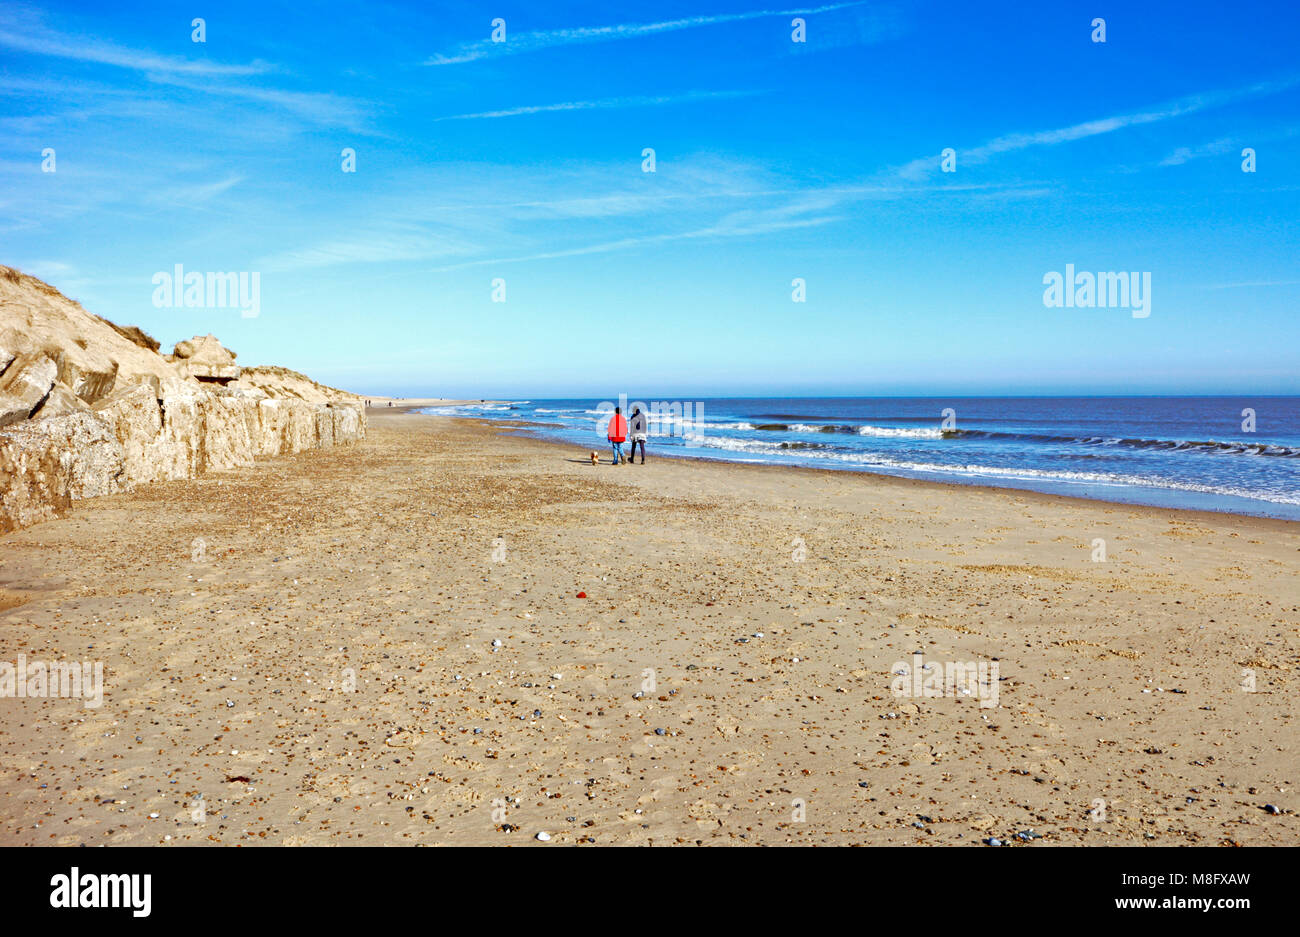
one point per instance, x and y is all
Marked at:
(1238, 455)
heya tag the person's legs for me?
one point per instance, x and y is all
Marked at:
(617, 450)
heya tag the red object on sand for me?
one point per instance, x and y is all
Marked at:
(582, 595)
(617, 428)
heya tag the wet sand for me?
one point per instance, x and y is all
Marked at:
(321, 667)
(407, 404)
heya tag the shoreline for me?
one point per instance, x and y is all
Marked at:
(412, 404)
(1205, 515)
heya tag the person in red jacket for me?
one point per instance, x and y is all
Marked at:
(617, 433)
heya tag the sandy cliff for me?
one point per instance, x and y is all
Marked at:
(90, 408)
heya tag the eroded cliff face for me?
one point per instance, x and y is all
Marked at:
(88, 408)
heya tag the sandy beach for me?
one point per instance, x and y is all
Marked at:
(407, 404)
(305, 651)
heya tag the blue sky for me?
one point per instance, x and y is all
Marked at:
(775, 160)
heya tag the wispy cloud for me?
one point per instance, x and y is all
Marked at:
(317, 107)
(201, 192)
(586, 210)
(1185, 153)
(532, 41)
(397, 244)
(724, 229)
(27, 34)
(1252, 284)
(605, 104)
(927, 166)
(24, 33)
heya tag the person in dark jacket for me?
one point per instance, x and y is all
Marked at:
(637, 433)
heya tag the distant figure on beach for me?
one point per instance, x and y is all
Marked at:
(638, 434)
(617, 433)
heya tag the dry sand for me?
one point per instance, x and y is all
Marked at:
(1122, 716)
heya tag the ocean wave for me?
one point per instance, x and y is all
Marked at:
(824, 417)
(733, 444)
(667, 422)
(1121, 479)
(929, 432)
(932, 432)
(818, 428)
(971, 471)
(1208, 446)
(1211, 445)
(708, 426)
